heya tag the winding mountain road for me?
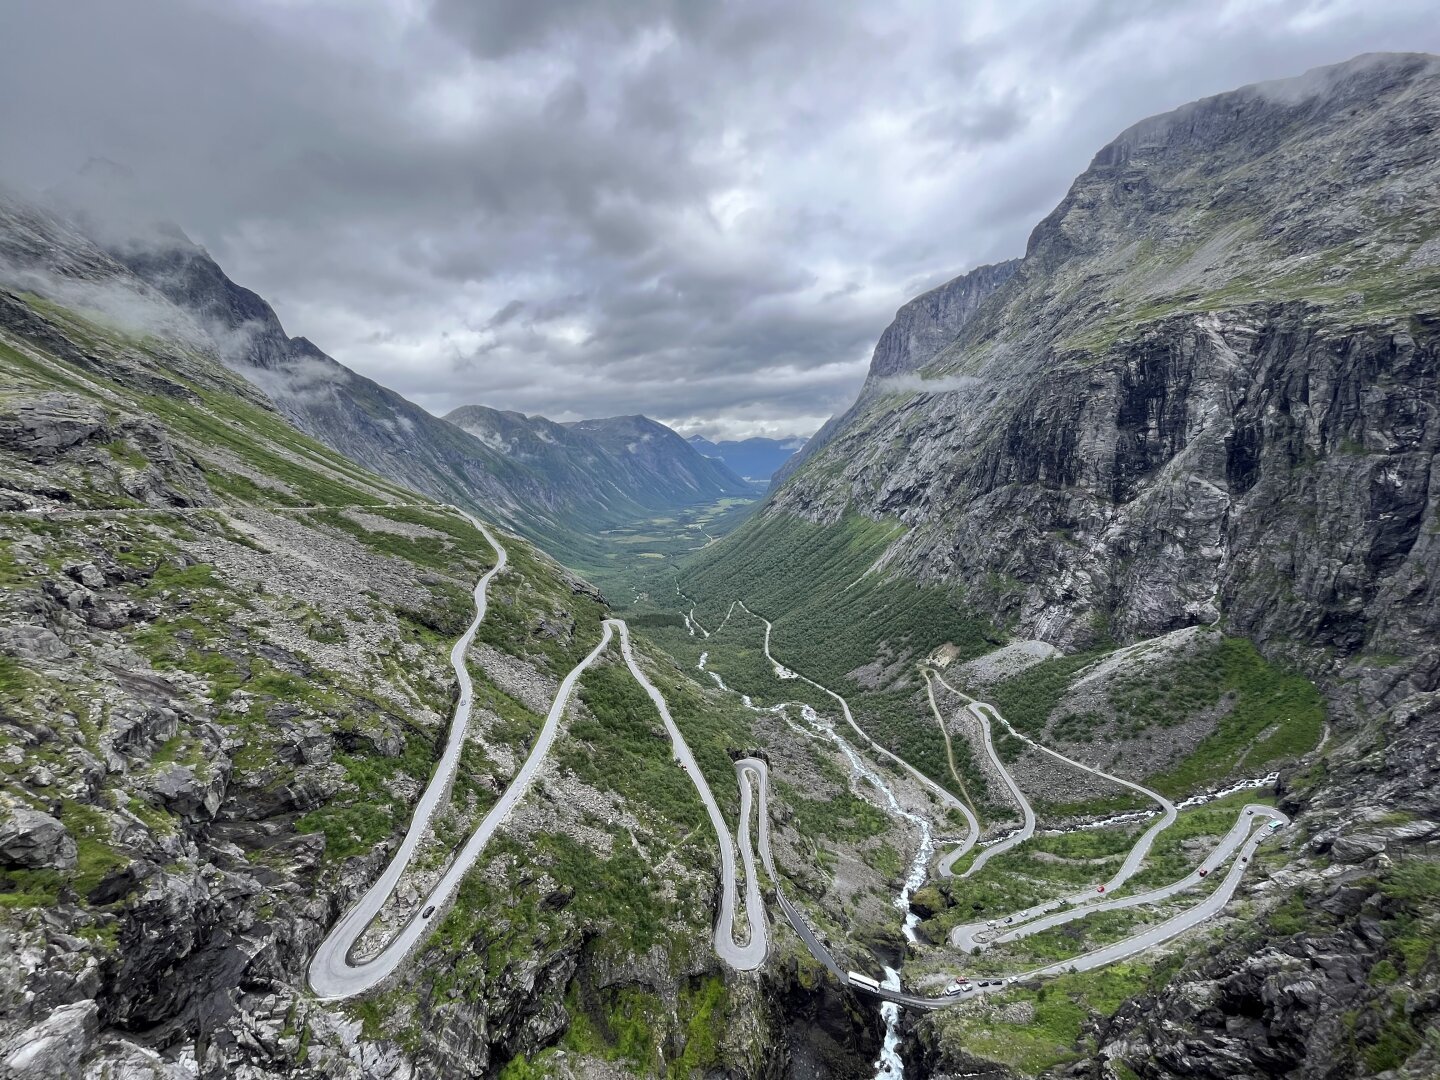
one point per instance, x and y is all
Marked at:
(946, 865)
(1027, 812)
(1219, 854)
(945, 796)
(1245, 832)
(963, 936)
(1257, 828)
(1252, 826)
(334, 972)
(1188, 919)
(751, 954)
(753, 772)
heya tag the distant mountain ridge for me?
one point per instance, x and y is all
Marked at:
(556, 484)
(756, 459)
(619, 466)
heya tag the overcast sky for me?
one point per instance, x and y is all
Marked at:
(703, 212)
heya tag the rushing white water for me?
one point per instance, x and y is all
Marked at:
(916, 877)
(1243, 785)
(888, 1065)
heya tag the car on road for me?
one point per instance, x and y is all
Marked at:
(1203, 871)
(428, 912)
(1275, 825)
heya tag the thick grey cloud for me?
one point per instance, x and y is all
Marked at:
(703, 212)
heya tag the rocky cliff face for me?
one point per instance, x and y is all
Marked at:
(930, 322)
(1209, 387)
(1210, 393)
(921, 329)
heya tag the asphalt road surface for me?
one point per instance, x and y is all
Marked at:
(333, 974)
(945, 796)
(751, 954)
(966, 937)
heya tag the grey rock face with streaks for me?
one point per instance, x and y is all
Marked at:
(930, 322)
(1210, 392)
(921, 329)
(1204, 388)
(31, 839)
(55, 1047)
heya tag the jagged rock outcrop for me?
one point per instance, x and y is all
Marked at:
(31, 839)
(930, 322)
(55, 1048)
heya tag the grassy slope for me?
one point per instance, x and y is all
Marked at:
(1269, 716)
(831, 618)
(250, 457)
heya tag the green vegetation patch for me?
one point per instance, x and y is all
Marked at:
(841, 816)
(832, 617)
(1028, 698)
(831, 614)
(1264, 713)
(460, 550)
(1055, 1018)
(535, 614)
(369, 812)
(625, 748)
(1274, 715)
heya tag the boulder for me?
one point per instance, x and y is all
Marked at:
(56, 1047)
(44, 427)
(35, 841)
(1357, 847)
(120, 1059)
(87, 574)
(184, 793)
(27, 642)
